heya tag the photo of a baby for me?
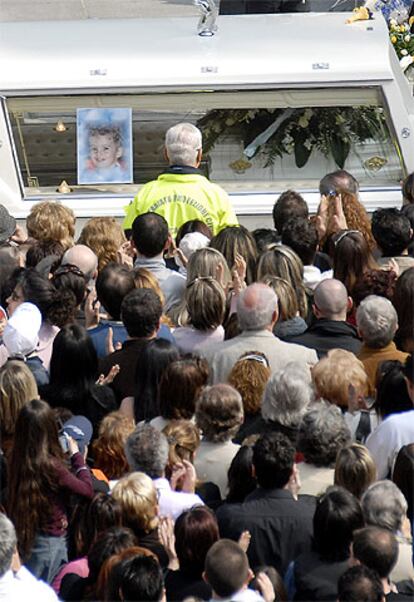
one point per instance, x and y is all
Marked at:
(104, 146)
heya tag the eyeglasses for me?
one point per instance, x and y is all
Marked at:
(344, 234)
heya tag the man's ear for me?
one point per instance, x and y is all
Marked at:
(349, 305)
(199, 156)
(166, 157)
(204, 576)
(250, 576)
(316, 311)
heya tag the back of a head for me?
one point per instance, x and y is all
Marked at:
(114, 282)
(391, 230)
(17, 387)
(384, 506)
(376, 549)
(195, 530)
(322, 432)
(219, 412)
(249, 376)
(377, 321)
(289, 204)
(392, 395)
(137, 498)
(8, 542)
(206, 303)
(50, 220)
(331, 299)
(183, 143)
(273, 459)
(237, 240)
(146, 450)
(408, 188)
(180, 385)
(338, 513)
(73, 353)
(300, 235)
(287, 394)
(140, 578)
(355, 469)
(226, 568)
(149, 234)
(338, 181)
(84, 259)
(360, 584)
(104, 236)
(256, 307)
(141, 311)
(333, 373)
(403, 475)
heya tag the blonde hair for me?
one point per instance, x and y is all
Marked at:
(104, 235)
(138, 498)
(17, 387)
(355, 469)
(208, 262)
(183, 440)
(108, 449)
(283, 262)
(143, 278)
(286, 297)
(50, 220)
(333, 374)
(206, 303)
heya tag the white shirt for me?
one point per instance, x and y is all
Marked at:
(173, 503)
(212, 462)
(388, 438)
(243, 595)
(24, 586)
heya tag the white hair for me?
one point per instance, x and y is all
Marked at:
(377, 321)
(8, 543)
(287, 395)
(256, 306)
(383, 505)
(182, 143)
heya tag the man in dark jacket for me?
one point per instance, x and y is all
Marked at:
(330, 329)
(279, 522)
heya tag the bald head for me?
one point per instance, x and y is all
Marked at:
(257, 307)
(84, 258)
(331, 300)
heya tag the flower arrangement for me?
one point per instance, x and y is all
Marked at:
(272, 133)
(403, 41)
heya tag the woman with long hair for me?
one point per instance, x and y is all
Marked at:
(351, 257)
(73, 374)
(17, 387)
(39, 488)
(156, 356)
(283, 262)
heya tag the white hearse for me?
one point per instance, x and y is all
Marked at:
(270, 92)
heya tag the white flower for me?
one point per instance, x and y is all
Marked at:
(393, 22)
(407, 38)
(405, 62)
(404, 52)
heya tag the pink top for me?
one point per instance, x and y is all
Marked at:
(79, 567)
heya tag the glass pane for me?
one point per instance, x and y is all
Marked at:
(251, 138)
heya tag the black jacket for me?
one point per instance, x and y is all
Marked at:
(280, 526)
(324, 335)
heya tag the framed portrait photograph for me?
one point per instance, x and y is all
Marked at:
(104, 146)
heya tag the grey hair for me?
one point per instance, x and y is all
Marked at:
(256, 306)
(377, 321)
(146, 450)
(287, 394)
(322, 433)
(182, 142)
(8, 542)
(383, 505)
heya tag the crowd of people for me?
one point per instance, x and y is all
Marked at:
(215, 415)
